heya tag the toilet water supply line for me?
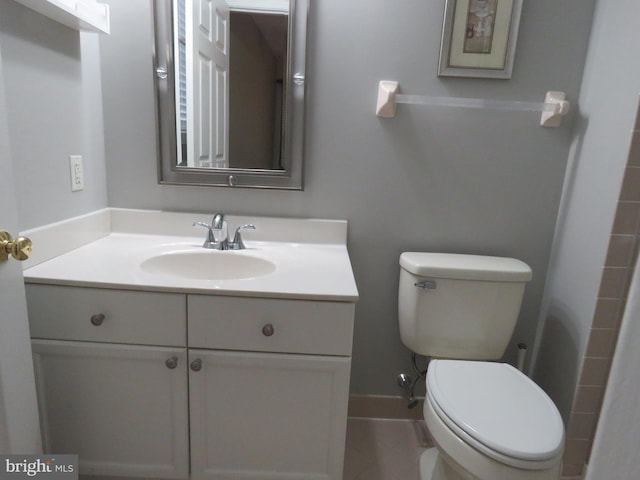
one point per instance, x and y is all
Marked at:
(408, 384)
(522, 353)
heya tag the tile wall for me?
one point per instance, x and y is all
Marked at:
(614, 285)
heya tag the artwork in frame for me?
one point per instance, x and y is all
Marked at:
(479, 38)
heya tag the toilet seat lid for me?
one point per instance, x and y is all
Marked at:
(497, 406)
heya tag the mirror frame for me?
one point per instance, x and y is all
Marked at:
(291, 177)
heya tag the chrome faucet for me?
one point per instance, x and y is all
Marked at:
(218, 221)
(218, 236)
(218, 224)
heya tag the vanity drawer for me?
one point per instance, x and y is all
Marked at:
(270, 325)
(103, 315)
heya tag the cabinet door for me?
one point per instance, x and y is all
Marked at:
(267, 416)
(121, 408)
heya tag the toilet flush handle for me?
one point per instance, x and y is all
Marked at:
(426, 284)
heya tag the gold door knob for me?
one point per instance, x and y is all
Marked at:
(20, 248)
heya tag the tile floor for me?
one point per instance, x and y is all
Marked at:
(384, 449)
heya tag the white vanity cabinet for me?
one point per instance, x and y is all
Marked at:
(257, 388)
(269, 383)
(119, 407)
(111, 376)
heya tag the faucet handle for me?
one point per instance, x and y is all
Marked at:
(237, 243)
(210, 242)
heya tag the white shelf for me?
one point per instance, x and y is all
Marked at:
(87, 15)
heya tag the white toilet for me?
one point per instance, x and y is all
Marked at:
(488, 420)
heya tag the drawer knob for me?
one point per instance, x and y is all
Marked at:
(97, 319)
(196, 365)
(171, 363)
(268, 330)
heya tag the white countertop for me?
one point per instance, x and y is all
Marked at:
(304, 270)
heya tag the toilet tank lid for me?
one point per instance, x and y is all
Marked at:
(465, 267)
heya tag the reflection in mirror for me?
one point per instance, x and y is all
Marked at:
(230, 112)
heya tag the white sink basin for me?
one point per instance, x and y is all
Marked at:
(208, 265)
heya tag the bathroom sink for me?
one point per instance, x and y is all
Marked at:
(208, 265)
(305, 259)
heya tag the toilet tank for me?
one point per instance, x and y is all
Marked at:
(459, 306)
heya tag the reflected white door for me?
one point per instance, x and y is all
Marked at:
(19, 425)
(207, 51)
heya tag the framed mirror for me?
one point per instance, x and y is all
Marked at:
(230, 91)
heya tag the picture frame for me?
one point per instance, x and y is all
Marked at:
(479, 38)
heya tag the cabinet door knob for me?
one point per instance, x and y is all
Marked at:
(268, 330)
(172, 362)
(97, 319)
(196, 365)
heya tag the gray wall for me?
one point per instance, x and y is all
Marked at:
(51, 76)
(251, 99)
(431, 179)
(600, 149)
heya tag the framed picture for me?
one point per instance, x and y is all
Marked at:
(479, 38)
